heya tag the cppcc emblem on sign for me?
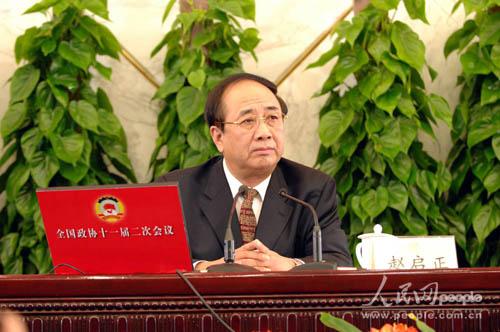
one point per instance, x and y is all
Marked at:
(109, 209)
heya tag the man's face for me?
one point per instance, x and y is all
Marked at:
(254, 152)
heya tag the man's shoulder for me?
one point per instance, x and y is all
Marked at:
(191, 172)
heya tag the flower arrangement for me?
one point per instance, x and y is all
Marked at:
(343, 326)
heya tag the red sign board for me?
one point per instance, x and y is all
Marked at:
(115, 229)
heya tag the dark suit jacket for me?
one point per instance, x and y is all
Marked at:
(283, 225)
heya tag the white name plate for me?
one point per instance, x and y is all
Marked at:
(409, 252)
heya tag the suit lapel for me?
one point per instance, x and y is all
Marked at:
(216, 204)
(275, 211)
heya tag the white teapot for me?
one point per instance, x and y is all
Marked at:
(376, 249)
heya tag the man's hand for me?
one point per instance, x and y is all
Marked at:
(276, 262)
(257, 255)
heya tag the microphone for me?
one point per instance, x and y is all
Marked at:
(318, 263)
(229, 251)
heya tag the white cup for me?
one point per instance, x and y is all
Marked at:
(376, 249)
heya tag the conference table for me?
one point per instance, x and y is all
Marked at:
(466, 299)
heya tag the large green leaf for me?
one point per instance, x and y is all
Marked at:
(118, 155)
(495, 143)
(61, 95)
(396, 137)
(489, 30)
(427, 182)
(109, 124)
(375, 202)
(68, 148)
(85, 114)
(30, 142)
(409, 47)
(398, 196)
(64, 79)
(48, 119)
(490, 90)
(249, 39)
(26, 202)
(416, 9)
(7, 153)
(373, 160)
(74, 173)
(414, 224)
(405, 105)
(198, 140)
(41, 6)
(379, 44)
(333, 124)
(357, 208)
(43, 168)
(385, 4)
(172, 84)
(419, 201)
(389, 100)
(17, 178)
(482, 129)
(98, 7)
(77, 53)
(107, 41)
(473, 61)
(350, 60)
(167, 10)
(26, 44)
(197, 78)
(350, 143)
(241, 8)
(369, 82)
(375, 120)
(401, 167)
(385, 82)
(14, 118)
(190, 102)
(495, 55)
(332, 165)
(8, 246)
(443, 178)
(492, 180)
(460, 38)
(23, 82)
(401, 69)
(440, 108)
(487, 220)
(40, 257)
(353, 30)
(327, 56)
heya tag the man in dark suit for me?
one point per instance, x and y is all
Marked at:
(246, 119)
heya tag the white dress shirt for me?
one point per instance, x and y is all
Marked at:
(235, 184)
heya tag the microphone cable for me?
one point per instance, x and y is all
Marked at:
(216, 315)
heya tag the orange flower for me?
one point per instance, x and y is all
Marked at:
(399, 327)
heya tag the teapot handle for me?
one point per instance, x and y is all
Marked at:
(361, 259)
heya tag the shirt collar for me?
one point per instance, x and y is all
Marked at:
(235, 184)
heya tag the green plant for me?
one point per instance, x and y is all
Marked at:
(57, 130)
(368, 127)
(203, 46)
(474, 196)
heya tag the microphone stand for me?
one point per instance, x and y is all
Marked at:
(229, 251)
(318, 263)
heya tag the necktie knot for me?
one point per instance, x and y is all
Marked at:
(250, 194)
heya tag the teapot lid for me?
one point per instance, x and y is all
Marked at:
(377, 233)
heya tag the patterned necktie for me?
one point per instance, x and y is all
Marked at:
(248, 222)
